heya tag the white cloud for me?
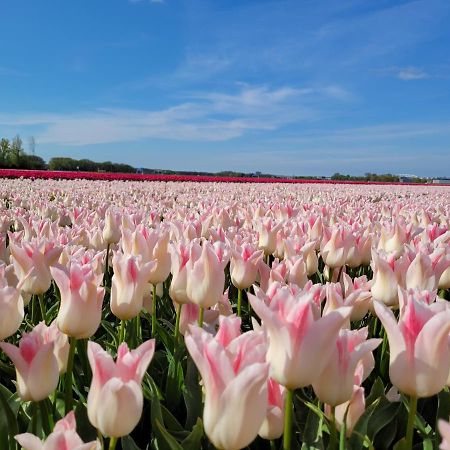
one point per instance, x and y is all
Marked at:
(206, 116)
(411, 73)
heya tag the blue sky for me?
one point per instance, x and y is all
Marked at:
(288, 87)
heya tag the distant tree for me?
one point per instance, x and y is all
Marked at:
(4, 152)
(16, 152)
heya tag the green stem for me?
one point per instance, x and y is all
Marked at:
(333, 432)
(121, 332)
(42, 307)
(343, 433)
(288, 414)
(273, 445)
(112, 443)
(177, 323)
(154, 311)
(411, 419)
(33, 418)
(105, 275)
(239, 302)
(33, 305)
(45, 417)
(384, 361)
(201, 312)
(69, 378)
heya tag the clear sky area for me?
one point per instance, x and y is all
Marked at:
(286, 87)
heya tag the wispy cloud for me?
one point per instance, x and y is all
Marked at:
(212, 116)
(411, 73)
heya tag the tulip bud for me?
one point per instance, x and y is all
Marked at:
(334, 247)
(272, 426)
(32, 262)
(64, 436)
(334, 385)
(234, 377)
(36, 365)
(111, 230)
(128, 285)
(115, 399)
(419, 351)
(11, 307)
(80, 310)
(205, 278)
(244, 266)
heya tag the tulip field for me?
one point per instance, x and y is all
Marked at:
(173, 315)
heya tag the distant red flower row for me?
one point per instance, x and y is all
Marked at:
(67, 175)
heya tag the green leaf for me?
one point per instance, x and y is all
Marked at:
(377, 391)
(381, 417)
(192, 395)
(443, 411)
(175, 382)
(312, 433)
(386, 436)
(170, 421)
(165, 440)
(193, 441)
(358, 437)
(128, 443)
(401, 445)
(84, 428)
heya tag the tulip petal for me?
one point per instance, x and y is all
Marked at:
(247, 390)
(29, 441)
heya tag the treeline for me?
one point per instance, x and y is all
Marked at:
(224, 173)
(86, 165)
(386, 177)
(13, 156)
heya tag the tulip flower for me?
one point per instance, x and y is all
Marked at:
(234, 377)
(335, 246)
(393, 239)
(111, 229)
(363, 300)
(425, 271)
(11, 306)
(268, 235)
(334, 385)
(205, 277)
(36, 365)
(350, 411)
(64, 436)
(419, 348)
(297, 334)
(128, 285)
(444, 430)
(297, 272)
(60, 341)
(244, 266)
(80, 311)
(388, 275)
(180, 254)
(32, 261)
(272, 427)
(151, 245)
(115, 399)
